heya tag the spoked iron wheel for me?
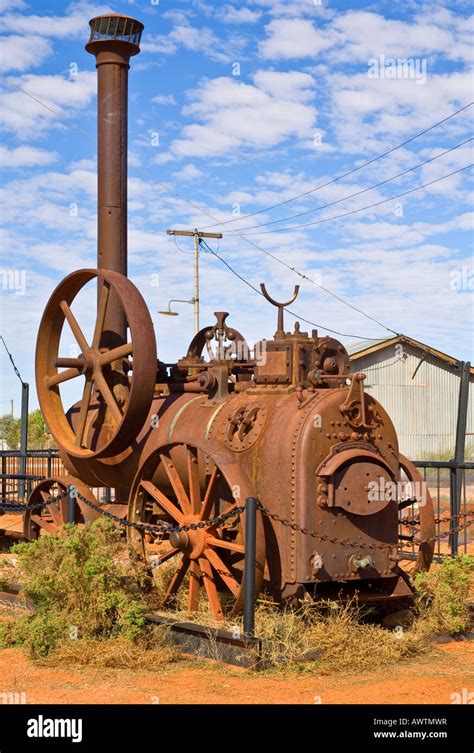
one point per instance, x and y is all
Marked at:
(421, 512)
(181, 484)
(116, 378)
(51, 517)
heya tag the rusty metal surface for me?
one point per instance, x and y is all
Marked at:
(289, 425)
(213, 643)
(184, 482)
(114, 406)
(426, 515)
(114, 39)
(51, 517)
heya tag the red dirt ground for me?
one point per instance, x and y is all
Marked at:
(427, 680)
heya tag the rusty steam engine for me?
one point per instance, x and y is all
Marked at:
(186, 441)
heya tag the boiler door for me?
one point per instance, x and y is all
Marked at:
(362, 488)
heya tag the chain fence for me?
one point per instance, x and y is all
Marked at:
(348, 542)
(217, 520)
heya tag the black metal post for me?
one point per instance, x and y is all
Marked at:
(456, 475)
(4, 481)
(462, 412)
(453, 536)
(249, 573)
(71, 503)
(25, 391)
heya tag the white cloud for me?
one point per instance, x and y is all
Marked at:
(364, 110)
(164, 99)
(20, 53)
(27, 118)
(52, 201)
(375, 260)
(188, 173)
(293, 38)
(294, 8)
(291, 86)
(83, 164)
(25, 156)
(7, 4)
(234, 114)
(179, 16)
(359, 35)
(74, 23)
(194, 39)
(229, 14)
(362, 35)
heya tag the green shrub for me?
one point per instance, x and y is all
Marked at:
(443, 595)
(82, 587)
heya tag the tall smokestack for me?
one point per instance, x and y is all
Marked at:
(114, 39)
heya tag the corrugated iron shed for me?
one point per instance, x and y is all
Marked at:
(419, 387)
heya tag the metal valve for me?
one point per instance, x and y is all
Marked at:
(360, 563)
(316, 562)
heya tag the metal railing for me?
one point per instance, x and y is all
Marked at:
(451, 486)
(38, 463)
(16, 485)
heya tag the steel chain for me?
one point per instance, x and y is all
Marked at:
(356, 544)
(440, 536)
(416, 521)
(12, 507)
(144, 527)
(165, 527)
(223, 517)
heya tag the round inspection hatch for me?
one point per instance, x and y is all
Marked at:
(244, 426)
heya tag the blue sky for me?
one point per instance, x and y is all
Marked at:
(235, 107)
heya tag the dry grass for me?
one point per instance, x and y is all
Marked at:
(340, 634)
(114, 653)
(8, 573)
(333, 638)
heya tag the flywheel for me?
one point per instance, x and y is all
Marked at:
(116, 382)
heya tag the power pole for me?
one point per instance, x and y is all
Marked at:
(197, 240)
(25, 391)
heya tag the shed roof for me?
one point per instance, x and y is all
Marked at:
(366, 347)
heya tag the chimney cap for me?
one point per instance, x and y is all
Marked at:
(116, 27)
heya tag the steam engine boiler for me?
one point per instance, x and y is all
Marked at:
(180, 443)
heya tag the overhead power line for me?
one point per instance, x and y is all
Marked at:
(290, 311)
(255, 245)
(171, 191)
(15, 368)
(51, 109)
(346, 174)
(188, 253)
(362, 209)
(358, 193)
(291, 268)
